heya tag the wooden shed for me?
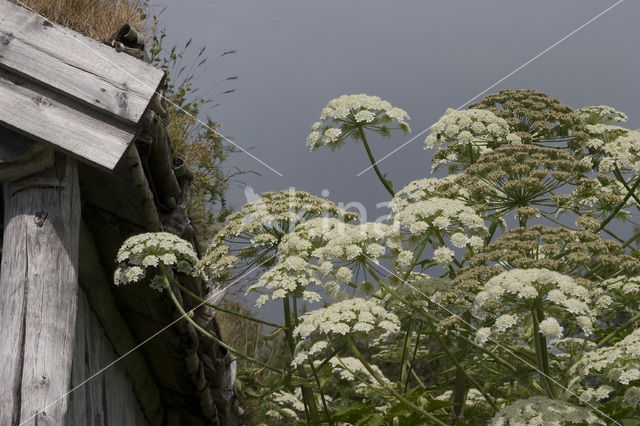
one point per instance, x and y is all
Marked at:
(86, 162)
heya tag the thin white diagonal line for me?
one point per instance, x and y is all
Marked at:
(459, 318)
(158, 93)
(498, 82)
(115, 361)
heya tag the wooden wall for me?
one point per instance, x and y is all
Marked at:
(108, 398)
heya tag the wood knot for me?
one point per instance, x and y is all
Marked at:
(39, 219)
(40, 101)
(47, 24)
(5, 38)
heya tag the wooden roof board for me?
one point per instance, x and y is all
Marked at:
(82, 68)
(44, 115)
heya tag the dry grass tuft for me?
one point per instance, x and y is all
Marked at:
(98, 19)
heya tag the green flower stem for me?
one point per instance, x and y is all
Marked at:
(459, 367)
(609, 336)
(418, 379)
(460, 388)
(404, 376)
(322, 398)
(492, 230)
(311, 410)
(631, 190)
(633, 237)
(392, 391)
(416, 256)
(217, 308)
(384, 181)
(431, 320)
(542, 357)
(615, 211)
(205, 332)
(500, 360)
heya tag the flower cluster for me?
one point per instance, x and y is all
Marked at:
(348, 115)
(256, 230)
(285, 405)
(597, 197)
(589, 139)
(601, 114)
(425, 189)
(556, 249)
(351, 317)
(530, 114)
(618, 363)
(543, 411)
(316, 253)
(623, 151)
(618, 294)
(143, 251)
(440, 217)
(524, 176)
(522, 291)
(468, 134)
(352, 370)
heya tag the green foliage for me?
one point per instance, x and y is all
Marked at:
(501, 294)
(197, 141)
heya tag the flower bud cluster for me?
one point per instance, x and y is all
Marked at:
(147, 251)
(349, 114)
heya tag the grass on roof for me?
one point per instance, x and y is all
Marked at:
(98, 19)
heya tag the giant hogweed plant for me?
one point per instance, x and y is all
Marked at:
(506, 293)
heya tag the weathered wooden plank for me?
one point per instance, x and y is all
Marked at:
(39, 278)
(80, 67)
(78, 403)
(92, 364)
(121, 404)
(46, 116)
(114, 328)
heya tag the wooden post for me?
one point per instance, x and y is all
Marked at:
(38, 294)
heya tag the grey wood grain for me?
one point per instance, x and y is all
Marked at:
(76, 65)
(96, 287)
(39, 288)
(46, 116)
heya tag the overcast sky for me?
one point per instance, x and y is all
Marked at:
(293, 56)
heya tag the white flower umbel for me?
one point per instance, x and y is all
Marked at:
(618, 294)
(541, 411)
(601, 114)
(144, 251)
(352, 317)
(256, 231)
(352, 370)
(471, 125)
(521, 292)
(284, 404)
(619, 363)
(469, 133)
(347, 115)
(292, 275)
(321, 251)
(425, 189)
(440, 218)
(623, 151)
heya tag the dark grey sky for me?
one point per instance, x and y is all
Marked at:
(423, 56)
